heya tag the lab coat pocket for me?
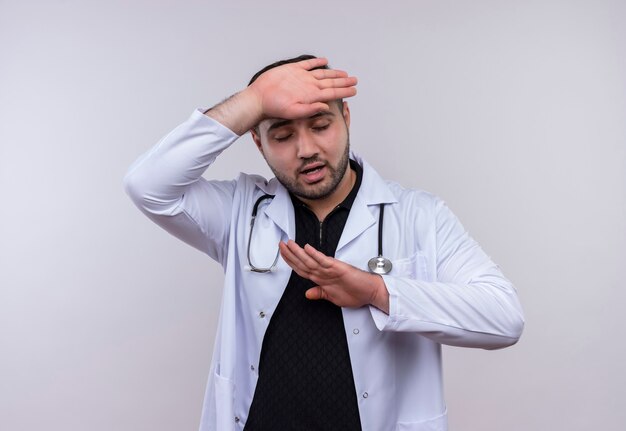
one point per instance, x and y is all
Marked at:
(224, 402)
(439, 423)
(414, 267)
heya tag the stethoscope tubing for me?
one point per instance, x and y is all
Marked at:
(377, 265)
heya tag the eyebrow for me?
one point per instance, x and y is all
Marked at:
(281, 123)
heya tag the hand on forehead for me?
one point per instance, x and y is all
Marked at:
(295, 91)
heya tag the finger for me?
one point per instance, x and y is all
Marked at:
(328, 73)
(315, 293)
(295, 266)
(302, 255)
(320, 258)
(313, 63)
(294, 262)
(336, 93)
(337, 82)
(291, 259)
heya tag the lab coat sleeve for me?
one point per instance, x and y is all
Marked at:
(166, 184)
(469, 303)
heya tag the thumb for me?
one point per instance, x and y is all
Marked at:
(314, 293)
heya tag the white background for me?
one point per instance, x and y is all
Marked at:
(513, 111)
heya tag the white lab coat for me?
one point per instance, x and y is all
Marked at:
(443, 288)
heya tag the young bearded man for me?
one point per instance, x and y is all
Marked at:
(314, 334)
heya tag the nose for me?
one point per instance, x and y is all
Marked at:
(306, 145)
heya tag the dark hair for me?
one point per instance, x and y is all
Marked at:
(293, 60)
(286, 61)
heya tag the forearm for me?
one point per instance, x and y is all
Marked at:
(484, 313)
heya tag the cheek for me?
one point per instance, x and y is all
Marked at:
(336, 142)
(279, 157)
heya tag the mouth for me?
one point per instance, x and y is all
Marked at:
(312, 167)
(313, 172)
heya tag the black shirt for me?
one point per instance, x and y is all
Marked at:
(305, 376)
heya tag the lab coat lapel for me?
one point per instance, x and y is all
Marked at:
(359, 220)
(280, 210)
(373, 191)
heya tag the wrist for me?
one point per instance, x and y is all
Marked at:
(240, 112)
(380, 297)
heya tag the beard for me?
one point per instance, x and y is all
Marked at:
(316, 191)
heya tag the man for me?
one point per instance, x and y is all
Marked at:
(309, 338)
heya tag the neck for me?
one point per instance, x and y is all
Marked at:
(322, 207)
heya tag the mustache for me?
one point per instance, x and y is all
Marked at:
(309, 160)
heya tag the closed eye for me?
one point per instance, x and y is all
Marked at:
(320, 128)
(282, 138)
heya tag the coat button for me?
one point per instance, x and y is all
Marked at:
(355, 331)
(365, 395)
(262, 314)
(237, 419)
(252, 367)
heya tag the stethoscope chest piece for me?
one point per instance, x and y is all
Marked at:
(379, 265)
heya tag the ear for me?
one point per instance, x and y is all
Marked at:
(346, 113)
(256, 138)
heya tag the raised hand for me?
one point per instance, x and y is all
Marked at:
(295, 90)
(289, 91)
(337, 282)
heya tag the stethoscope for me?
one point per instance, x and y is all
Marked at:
(377, 265)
